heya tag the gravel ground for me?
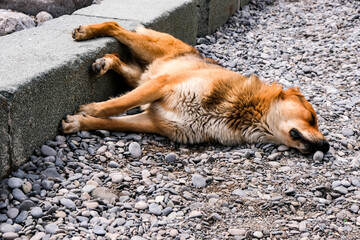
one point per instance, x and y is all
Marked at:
(109, 185)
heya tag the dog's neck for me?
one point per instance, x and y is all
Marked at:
(254, 110)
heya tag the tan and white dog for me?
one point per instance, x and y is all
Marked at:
(190, 99)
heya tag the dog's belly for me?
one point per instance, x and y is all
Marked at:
(186, 121)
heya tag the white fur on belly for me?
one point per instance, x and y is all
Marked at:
(190, 122)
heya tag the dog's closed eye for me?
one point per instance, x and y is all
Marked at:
(295, 134)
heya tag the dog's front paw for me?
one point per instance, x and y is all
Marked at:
(71, 124)
(80, 33)
(91, 109)
(100, 66)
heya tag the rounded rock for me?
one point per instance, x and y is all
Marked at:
(12, 213)
(141, 205)
(318, 156)
(21, 217)
(68, 203)
(37, 212)
(258, 234)
(19, 195)
(171, 157)
(47, 151)
(198, 181)
(135, 149)
(51, 228)
(155, 209)
(99, 230)
(10, 235)
(15, 182)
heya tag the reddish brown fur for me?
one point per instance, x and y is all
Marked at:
(190, 99)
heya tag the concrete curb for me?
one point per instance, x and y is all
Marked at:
(45, 74)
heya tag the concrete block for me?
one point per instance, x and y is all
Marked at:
(4, 137)
(46, 75)
(214, 13)
(177, 17)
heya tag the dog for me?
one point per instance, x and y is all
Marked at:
(191, 99)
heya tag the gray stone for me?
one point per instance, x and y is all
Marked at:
(354, 208)
(10, 235)
(103, 193)
(48, 151)
(51, 228)
(166, 211)
(135, 149)
(51, 173)
(26, 205)
(137, 238)
(19, 195)
(5, 227)
(55, 7)
(37, 212)
(12, 213)
(274, 156)
(318, 156)
(21, 217)
(195, 214)
(14, 21)
(236, 232)
(113, 164)
(99, 230)
(155, 209)
(117, 178)
(3, 217)
(198, 181)
(47, 184)
(68, 203)
(141, 205)
(347, 132)
(88, 188)
(239, 193)
(15, 182)
(258, 234)
(341, 190)
(42, 17)
(335, 184)
(171, 158)
(38, 236)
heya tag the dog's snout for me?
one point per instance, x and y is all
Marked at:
(324, 146)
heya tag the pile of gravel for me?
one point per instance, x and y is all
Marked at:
(110, 185)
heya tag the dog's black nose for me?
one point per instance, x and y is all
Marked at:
(324, 146)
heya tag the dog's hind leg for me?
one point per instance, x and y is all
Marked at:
(145, 45)
(142, 122)
(131, 72)
(148, 92)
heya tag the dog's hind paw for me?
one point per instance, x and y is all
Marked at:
(80, 33)
(100, 66)
(71, 124)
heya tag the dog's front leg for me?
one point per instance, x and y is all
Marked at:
(143, 123)
(148, 92)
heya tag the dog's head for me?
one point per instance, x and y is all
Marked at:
(294, 123)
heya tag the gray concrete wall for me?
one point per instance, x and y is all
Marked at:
(214, 13)
(45, 75)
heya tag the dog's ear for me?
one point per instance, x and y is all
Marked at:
(297, 89)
